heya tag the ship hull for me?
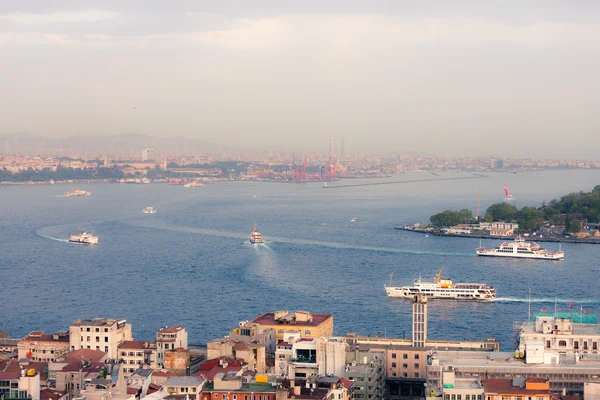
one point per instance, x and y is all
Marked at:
(552, 257)
(82, 242)
(470, 295)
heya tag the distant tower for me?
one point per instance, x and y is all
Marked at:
(164, 164)
(105, 161)
(419, 314)
(344, 148)
(332, 146)
(146, 154)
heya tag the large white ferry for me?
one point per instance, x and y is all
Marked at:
(520, 249)
(77, 193)
(255, 236)
(443, 289)
(83, 238)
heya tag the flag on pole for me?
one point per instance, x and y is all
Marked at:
(571, 304)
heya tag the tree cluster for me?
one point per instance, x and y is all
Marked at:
(451, 218)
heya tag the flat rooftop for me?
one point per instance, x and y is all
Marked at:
(578, 329)
(96, 322)
(246, 387)
(466, 359)
(269, 319)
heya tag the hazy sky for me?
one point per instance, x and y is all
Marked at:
(447, 77)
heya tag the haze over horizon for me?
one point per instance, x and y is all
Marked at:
(502, 78)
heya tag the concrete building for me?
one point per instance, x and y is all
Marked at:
(562, 335)
(40, 346)
(251, 332)
(515, 389)
(170, 338)
(190, 386)
(310, 325)
(178, 361)
(459, 388)
(137, 354)
(147, 154)
(370, 381)
(253, 354)
(231, 387)
(99, 334)
(419, 318)
(304, 357)
(332, 151)
(503, 228)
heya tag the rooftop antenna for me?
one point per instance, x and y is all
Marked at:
(391, 276)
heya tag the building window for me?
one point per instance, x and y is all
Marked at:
(306, 332)
(576, 345)
(447, 397)
(97, 338)
(393, 365)
(416, 356)
(97, 329)
(453, 397)
(393, 355)
(562, 343)
(547, 344)
(106, 339)
(458, 397)
(87, 329)
(393, 374)
(234, 397)
(88, 339)
(468, 397)
(585, 345)
(405, 374)
(106, 349)
(594, 346)
(105, 329)
(416, 365)
(98, 348)
(404, 365)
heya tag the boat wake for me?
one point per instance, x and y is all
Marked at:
(547, 300)
(38, 232)
(213, 232)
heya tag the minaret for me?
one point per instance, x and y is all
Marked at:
(419, 314)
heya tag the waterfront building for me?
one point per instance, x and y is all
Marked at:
(572, 335)
(40, 346)
(503, 228)
(170, 338)
(136, 354)
(310, 325)
(8, 347)
(19, 384)
(99, 334)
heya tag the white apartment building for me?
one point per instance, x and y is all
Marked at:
(99, 334)
(170, 338)
(302, 357)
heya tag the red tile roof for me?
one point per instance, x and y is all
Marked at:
(10, 375)
(84, 354)
(132, 390)
(210, 364)
(171, 329)
(134, 345)
(347, 383)
(51, 394)
(40, 336)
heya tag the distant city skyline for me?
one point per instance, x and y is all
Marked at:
(466, 78)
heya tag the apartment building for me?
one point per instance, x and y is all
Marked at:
(137, 354)
(170, 338)
(40, 346)
(99, 334)
(310, 325)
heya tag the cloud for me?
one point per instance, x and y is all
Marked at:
(63, 17)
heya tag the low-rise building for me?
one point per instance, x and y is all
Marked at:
(253, 354)
(178, 361)
(137, 354)
(99, 334)
(310, 325)
(516, 389)
(170, 338)
(251, 332)
(232, 387)
(503, 228)
(190, 386)
(301, 357)
(40, 346)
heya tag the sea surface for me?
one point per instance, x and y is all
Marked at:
(191, 262)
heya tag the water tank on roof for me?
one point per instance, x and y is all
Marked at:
(31, 372)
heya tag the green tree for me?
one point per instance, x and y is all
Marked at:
(575, 227)
(502, 212)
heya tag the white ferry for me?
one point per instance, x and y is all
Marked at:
(77, 193)
(149, 210)
(193, 184)
(443, 289)
(83, 238)
(520, 249)
(255, 237)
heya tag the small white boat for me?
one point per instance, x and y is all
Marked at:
(149, 210)
(255, 236)
(426, 235)
(353, 219)
(194, 184)
(323, 224)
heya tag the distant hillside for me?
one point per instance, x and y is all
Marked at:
(124, 143)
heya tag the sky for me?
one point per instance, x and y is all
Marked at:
(503, 78)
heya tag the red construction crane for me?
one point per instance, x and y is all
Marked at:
(333, 171)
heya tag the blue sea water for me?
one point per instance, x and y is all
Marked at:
(191, 263)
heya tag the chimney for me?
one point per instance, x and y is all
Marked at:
(378, 334)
